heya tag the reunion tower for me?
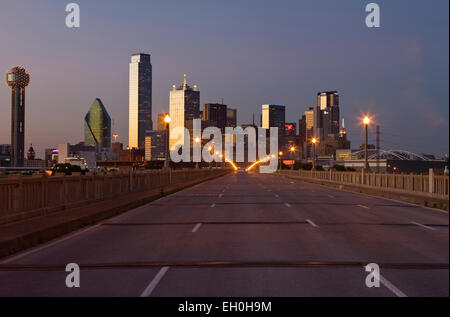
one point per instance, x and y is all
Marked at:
(17, 78)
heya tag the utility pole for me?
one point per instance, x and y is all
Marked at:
(378, 148)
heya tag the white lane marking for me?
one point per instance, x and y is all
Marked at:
(362, 206)
(220, 196)
(269, 190)
(331, 196)
(423, 226)
(213, 205)
(287, 205)
(196, 227)
(312, 223)
(151, 287)
(392, 287)
(276, 195)
(313, 191)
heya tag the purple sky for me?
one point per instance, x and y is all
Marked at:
(247, 52)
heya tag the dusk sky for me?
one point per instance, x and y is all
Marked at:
(248, 52)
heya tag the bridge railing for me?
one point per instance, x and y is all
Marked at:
(431, 184)
(20, 195)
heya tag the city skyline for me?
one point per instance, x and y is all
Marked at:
(399, 110)
(224, 155)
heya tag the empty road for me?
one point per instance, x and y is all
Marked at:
(246, 235)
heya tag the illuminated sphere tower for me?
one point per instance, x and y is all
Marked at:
(17, 78)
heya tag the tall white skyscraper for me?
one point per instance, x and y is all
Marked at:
(140, 100)
(184, 105)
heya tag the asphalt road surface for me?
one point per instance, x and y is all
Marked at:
(246, 235)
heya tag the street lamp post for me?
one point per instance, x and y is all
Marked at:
(314, 141)
(167, 121)
(280, 154)
(292, 149)
(366, 122)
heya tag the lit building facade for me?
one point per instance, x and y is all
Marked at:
(161, 124)
(328, 104)
(97, 126)
(274, 116)
(184, 106)
(140, 100)
(155, 145)
(309, 131)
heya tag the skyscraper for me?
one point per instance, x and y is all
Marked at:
(274, 116)
(309, 131)
(231, 117)
(97, 126)
(155, 145)
(17, 78)
(328, 103)
(184, 106)
(216, 113)
(140, 100)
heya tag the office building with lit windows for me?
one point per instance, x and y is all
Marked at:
(140, 100)
(184, 106)
(274, 116)
(155, 145)
(328, 104)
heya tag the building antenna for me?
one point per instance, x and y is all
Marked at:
(253, 119)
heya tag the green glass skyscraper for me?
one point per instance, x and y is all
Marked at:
(97, 126)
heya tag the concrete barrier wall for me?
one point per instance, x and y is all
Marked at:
(429, 185)
(19, 194)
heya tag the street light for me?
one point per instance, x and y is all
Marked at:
(314, 141)
(366, 122)
(167, 121)
(292, 149)
(280, 154)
